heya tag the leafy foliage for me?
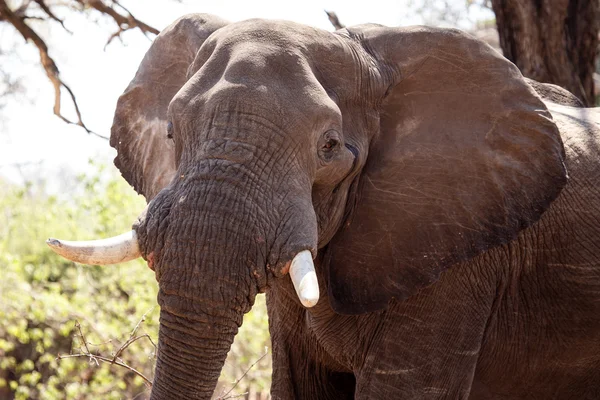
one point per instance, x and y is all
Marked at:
(43, 296)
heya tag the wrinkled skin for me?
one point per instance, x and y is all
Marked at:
(392, 154)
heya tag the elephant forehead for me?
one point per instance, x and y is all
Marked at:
(277, 32)
(247, 85)
(285, 47)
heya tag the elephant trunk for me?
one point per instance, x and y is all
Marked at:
(214, 244)
(191, 353)
(205, 288)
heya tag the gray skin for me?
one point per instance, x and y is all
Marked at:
(391, 154)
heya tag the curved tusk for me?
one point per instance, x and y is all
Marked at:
(98, 252)
(304, 278)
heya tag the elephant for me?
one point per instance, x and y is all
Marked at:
(423, 219)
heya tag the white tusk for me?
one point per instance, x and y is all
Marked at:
(99, 252)
(304, 278)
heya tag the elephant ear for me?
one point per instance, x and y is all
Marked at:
(467, 156)
(145, 157)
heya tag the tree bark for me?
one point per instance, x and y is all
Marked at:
(552, 41)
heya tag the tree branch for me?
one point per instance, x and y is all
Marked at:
(125, 22)
(49, 66)
(50, 14)
(17, 18)
(94, 358)
(226, 395)
(115, 360)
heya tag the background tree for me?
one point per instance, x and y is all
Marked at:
(552, 41)
(23, 14)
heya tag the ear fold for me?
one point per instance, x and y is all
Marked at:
(145, 157)
(466, 157)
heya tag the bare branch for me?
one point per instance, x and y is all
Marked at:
(108, 361)
(121, 6)
(22, 8)
(18, 17)
(335, 21)
(125, 22)
(50, 14)
(83, 341)
(115, 360)
(49, 66)
(132, 340)
(117, 34)
(226, 395)
(35, 17)
(142, 320)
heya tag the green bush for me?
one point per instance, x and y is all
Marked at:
(43, 297)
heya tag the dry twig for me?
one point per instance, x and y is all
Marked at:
(50, 14)
(124, 22)
(115, 360)
(226, 396)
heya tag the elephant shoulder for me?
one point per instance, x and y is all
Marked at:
(580, 131)
(554, 93)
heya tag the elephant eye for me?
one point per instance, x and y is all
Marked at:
(170, 130)
(330, 141)
(330, 144)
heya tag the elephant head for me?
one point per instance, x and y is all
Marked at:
(393, 152)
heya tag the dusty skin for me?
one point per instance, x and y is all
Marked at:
(390, 155)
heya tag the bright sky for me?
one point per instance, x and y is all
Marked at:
(29, 132)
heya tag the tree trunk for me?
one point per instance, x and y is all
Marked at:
(552, 41)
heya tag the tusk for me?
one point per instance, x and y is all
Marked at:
(98, 252)
(304, 278)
